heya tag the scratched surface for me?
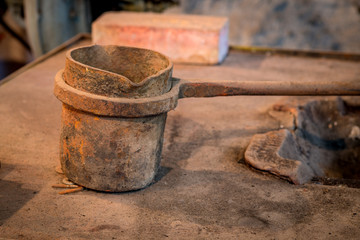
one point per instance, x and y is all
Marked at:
(203, 189)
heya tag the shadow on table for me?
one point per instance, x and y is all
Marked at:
(12, 196)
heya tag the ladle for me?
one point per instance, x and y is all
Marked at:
(115, 102)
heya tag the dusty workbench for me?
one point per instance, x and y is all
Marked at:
(203, 189)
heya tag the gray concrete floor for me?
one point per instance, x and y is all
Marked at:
(202, 190)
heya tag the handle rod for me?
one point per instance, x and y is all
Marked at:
(200, 88)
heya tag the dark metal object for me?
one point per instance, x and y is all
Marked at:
(280, 88)
(115, 102)
(115, 71)
(100, 151)
(347, 56)
(110, 153)
(124, 107)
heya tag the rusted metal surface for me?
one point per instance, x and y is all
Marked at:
(110, 154)
(196, 88)
(115, 71)
(111, 106)
(124, 107)
(115, 102)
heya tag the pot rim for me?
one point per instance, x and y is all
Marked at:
(127, 80)
(116, 106)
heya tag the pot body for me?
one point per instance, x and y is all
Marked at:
(101, 147)
(110, 153)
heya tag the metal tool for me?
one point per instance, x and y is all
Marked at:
(115, 103)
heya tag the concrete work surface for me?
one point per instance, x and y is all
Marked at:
(203, 189)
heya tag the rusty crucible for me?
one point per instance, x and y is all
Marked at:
(115, 102)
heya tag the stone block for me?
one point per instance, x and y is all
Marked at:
(183, 38)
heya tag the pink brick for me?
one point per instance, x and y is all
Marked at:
(183, 38)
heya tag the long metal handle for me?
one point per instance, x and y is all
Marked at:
(201, 88)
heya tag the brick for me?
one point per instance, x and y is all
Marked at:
(183, 38)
